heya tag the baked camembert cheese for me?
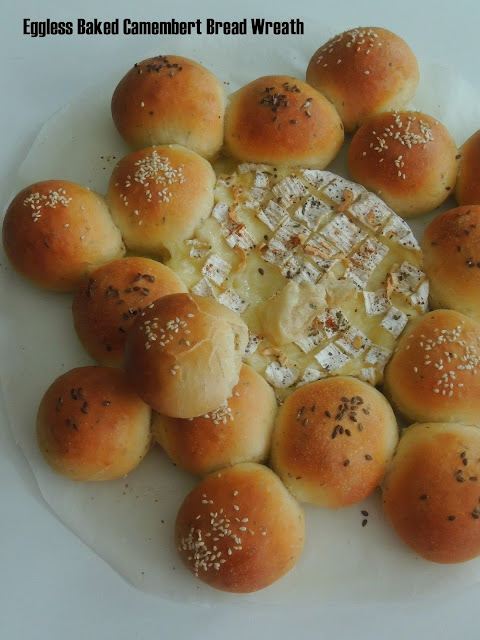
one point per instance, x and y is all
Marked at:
(324, 273)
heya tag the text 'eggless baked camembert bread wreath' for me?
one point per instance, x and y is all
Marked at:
(324, 274)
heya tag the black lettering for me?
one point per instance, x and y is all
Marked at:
(264, 27)
(258, 26)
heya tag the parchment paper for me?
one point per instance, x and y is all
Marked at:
(129, 523)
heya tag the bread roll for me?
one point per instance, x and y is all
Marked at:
(333, 440)
(55, 231)
(432, 376)
(109, 299)
(184, 354)
(364, 72)
(170, 99)
(238, 431)
(282, 120)
(91, 425)
(467, 189)
(407, 158)
(240, 530)
(431, 494)
(451, 255)
(158, 196)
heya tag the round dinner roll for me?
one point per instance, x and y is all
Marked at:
(451, 259)
(467, 189)
(159, 196)
(240, 530)
(433, 374)
(238, 431)
(184, 354)
(55, 231)
(363, 72)
(109, 299)
(170, 99)
(431, 493)
(91, 425)
(282, 120)
(333, 440)
(407, 158)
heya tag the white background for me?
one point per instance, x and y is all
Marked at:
(51, 585)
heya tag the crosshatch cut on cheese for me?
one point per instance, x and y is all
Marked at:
(324, 273)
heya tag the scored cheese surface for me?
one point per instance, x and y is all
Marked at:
(324, 273)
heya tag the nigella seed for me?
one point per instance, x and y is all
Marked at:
(452, 518)
(106, 403)
(368, 457)
(348, 432)
(475, 515)
(465, 461)
(360, 426)
(328, 414)
(364, 513)
(473, 478)
(423, 496)
(364, 522)
(346, 463)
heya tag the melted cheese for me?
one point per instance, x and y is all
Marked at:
(323, 272)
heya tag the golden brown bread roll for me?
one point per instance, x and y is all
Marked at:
(467, 189)
(431, 492)
(158, 196)
(240, 530)
(170, 99)
(433, 375)
(238, 431)
(109, 299)
(184, 354)
(333, 440)
(407, 158)
(282, 120)
(55, 231)
(451, 258)
(91, 425)
(363, 72)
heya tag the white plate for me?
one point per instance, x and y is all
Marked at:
(129, 523)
